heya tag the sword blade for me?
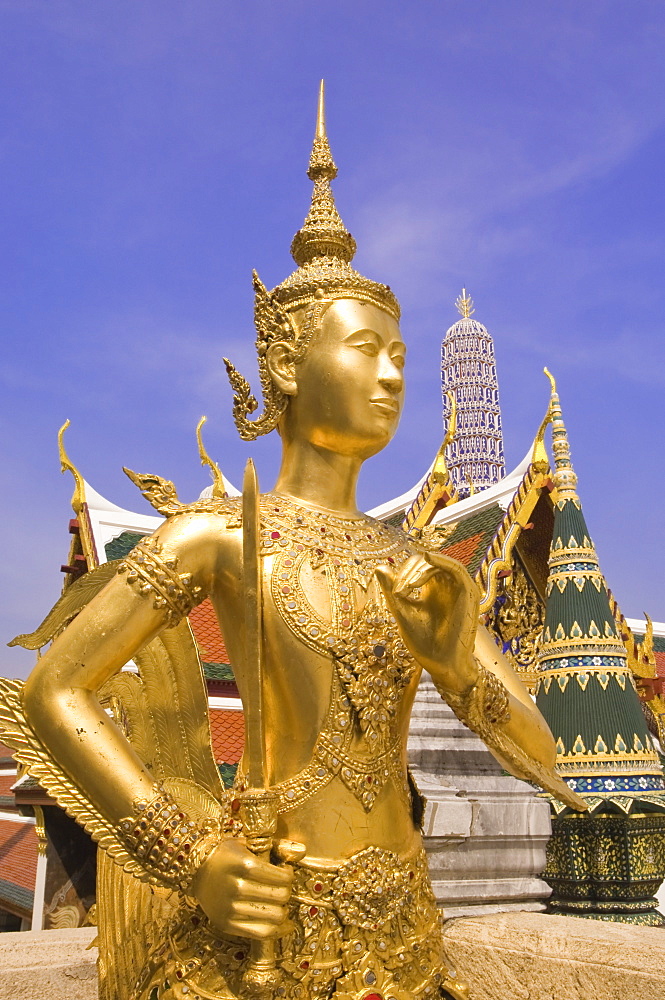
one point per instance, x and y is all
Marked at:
(251, 557)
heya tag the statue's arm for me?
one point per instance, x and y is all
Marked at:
(60, 695)
(241, 894)
(436, 604)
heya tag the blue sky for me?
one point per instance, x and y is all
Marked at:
(153, 153)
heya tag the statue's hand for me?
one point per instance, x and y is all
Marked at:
(435, 604)
(241, 894)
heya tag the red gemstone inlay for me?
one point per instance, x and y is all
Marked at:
(313, 910)
(372, 996)
(318, 887)
(275, 534)
(235, 805)
(304, 965)
(239, 955)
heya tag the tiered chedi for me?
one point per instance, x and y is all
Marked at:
(468, 370)
(609, 863)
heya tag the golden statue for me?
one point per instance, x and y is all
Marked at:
(308, 879)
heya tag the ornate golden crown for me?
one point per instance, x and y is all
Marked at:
(323, 250)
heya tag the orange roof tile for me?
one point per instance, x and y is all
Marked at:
(660, 663)
(18, 853)
(465, 550)
(228, 735)
(6, 782)
(207, 634)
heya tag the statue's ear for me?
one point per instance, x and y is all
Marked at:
(281, 365)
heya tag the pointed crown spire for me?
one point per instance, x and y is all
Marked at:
(323, 248)
(564, 477)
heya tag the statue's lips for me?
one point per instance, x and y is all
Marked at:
(386, 405)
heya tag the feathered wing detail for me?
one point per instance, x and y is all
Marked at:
(163, 712)
(17, 733)
(68, 606)
(131, 917)
(175, 692)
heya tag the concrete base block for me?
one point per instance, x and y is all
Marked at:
(58, 965)
(535, 956)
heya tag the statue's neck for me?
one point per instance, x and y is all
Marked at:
(319, 477)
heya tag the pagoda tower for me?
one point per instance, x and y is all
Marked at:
(468, 369)
(608, 863)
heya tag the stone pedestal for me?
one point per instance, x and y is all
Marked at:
(485, 832)
(56, 965)
(535, 956)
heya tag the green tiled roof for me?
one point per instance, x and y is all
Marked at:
(218, 672)
(658, 641)
(482, 523)
(16, 895)
(395, 520)
(120, 546)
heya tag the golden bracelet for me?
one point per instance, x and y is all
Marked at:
(485, 706)
(152, 574)
(166, 841)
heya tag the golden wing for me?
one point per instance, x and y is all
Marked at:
(30, 751)
(163, 712)
(68, 606)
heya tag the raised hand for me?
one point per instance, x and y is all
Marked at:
(435, 604)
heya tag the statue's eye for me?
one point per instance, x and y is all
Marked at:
(398, 360)
(368, 348)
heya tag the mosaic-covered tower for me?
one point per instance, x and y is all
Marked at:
(468, 369)
(609, 863)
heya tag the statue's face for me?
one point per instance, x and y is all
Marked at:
(350, 385)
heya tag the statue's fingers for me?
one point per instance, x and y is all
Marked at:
(289, 851)
(263, 872)
(259, 892)
(261, 912)
(386, 579)
(416, 577)
(408, 571)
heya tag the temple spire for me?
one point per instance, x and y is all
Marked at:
(564, 477)
(586, 692)
(468, 370)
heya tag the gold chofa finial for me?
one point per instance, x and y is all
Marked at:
(78, 496)
(464, 304)
(564, 477)
(218, 487)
